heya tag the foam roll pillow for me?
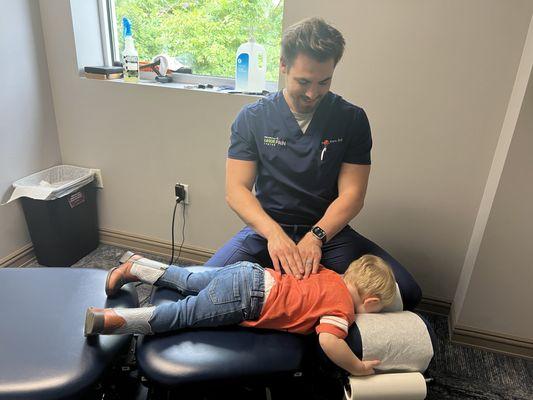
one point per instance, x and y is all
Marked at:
(401, 340)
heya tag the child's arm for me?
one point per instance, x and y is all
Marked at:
(340, 353)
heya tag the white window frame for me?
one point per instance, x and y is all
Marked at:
(111, 51)
(108, 30)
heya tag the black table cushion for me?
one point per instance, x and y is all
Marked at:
(43, 352)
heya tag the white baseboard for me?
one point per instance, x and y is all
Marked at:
(153, 246)
(19, 258)
(497, 342)
(434, 306)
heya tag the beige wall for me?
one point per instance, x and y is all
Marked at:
(28, 132)
(434, 77)
(499, 295)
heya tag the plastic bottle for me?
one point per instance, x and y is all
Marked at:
(250, 69)
(130, 58)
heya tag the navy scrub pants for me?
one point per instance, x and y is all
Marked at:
(337, 254)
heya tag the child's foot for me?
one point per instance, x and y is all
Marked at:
(102, 321)
(119, 276)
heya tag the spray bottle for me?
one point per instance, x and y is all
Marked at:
(250, 71)
(130, 58)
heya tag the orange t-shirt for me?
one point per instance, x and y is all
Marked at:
(321, 303)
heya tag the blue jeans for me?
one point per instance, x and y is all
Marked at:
(337, 254)
(226, 296)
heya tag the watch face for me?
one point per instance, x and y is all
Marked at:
(319, 232)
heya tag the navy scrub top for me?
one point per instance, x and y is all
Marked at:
(297, 173)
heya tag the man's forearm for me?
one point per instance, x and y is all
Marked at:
(245, 204)
(339, 213)
(352, 184)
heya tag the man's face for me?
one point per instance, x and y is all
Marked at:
(307, 81)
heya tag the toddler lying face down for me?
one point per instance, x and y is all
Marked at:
(251, 296)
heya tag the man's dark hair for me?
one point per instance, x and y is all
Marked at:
(313, 37)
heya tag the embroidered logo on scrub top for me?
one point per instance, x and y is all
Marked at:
(325, 144)
(274, 141)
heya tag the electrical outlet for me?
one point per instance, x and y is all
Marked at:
(184, 188)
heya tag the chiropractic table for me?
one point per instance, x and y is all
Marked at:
(44, 355)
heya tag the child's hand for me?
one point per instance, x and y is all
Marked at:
(366, 367)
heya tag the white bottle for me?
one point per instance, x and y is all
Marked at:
(130, 58)
(250, 67)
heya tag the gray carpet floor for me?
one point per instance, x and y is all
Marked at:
(460, 372)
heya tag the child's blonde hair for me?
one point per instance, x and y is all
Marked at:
(372, 277)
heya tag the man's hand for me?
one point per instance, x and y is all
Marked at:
(310, 249)
(240, 178)
(284, 254)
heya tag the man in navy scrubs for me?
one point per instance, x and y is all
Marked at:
(307, 151)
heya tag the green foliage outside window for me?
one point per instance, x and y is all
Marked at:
(203, 34)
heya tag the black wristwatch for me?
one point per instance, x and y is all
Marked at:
(319, 233)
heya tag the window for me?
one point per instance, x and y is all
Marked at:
(202, 34)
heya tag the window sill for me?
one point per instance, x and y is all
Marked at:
(186, 85)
